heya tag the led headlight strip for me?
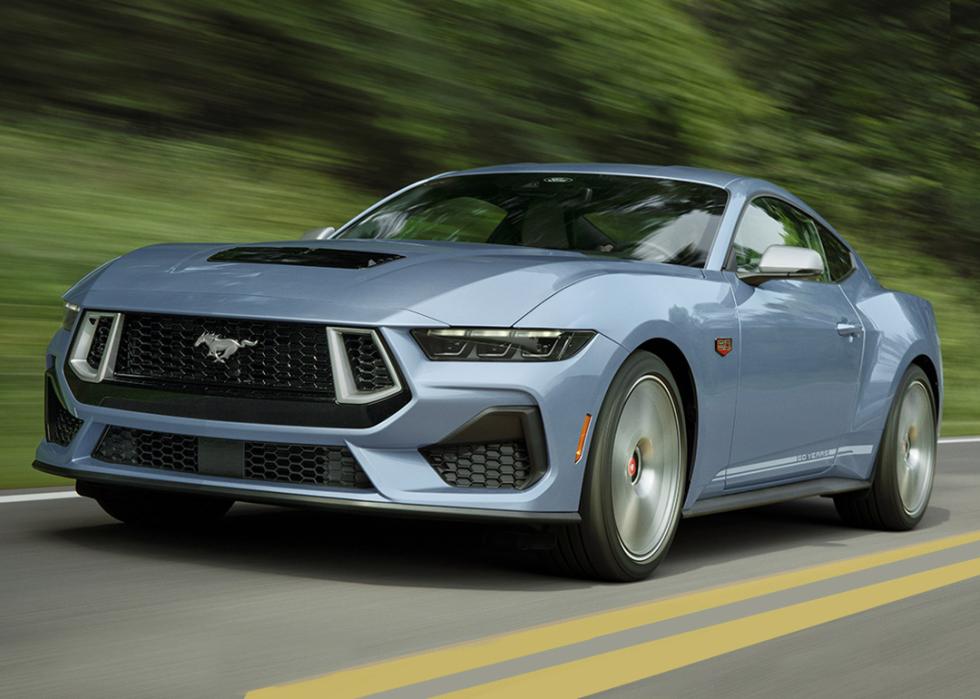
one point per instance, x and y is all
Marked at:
(501, 344)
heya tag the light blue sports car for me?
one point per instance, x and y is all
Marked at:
(595, 350)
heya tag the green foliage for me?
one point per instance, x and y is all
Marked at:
(129, 123)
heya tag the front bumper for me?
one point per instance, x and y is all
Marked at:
(444, 397)
(295, 496)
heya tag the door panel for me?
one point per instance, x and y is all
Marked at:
(799, 359)
(798, 379)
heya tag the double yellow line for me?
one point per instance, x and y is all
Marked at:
(614, 668)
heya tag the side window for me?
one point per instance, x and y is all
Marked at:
(768, 222)
(838, 258)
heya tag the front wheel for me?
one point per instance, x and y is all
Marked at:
(906, 463)
(635, 477)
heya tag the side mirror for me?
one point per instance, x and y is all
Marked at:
(785, 262)
(318, 233)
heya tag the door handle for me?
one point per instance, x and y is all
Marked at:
(849, 329)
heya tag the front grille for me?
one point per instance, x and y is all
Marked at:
(488, 465)
(163, 450)
(100, 338)
(311, 464)
(61, 425)
(367, 365)
(253, 356)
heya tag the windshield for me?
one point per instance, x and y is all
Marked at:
(639, 218)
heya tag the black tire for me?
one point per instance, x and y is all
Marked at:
(153, 508)
(594, 548)
(881, 506)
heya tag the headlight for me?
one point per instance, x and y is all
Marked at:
(501, 345)
(71, 315)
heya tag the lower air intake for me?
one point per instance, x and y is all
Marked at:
(61, 425)
(308, 464)
(162, 450)
(488, 465)
(311, 464)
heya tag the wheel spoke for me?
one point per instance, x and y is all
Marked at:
(904, 479)
(916, 449)
(648, 433)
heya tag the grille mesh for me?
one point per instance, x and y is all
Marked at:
(304, 463)
(62, 425)
(100, 339)
(163, 450)
(286, 357)
(489, 465)
(367, 365)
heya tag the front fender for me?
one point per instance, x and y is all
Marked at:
(688, 308)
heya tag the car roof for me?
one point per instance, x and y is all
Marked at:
(717, 178)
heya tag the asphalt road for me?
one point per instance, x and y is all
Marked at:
(90, 608)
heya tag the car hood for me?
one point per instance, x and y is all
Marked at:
(451, 283)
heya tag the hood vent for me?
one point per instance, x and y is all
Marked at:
(304, 257)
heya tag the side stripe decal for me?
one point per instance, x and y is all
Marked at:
(792, 461)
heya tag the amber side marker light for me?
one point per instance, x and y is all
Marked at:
(581, 437)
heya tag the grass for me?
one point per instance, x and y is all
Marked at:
(72, 198)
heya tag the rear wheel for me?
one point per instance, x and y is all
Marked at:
(151, 508)
(635, 477)
(906, 462)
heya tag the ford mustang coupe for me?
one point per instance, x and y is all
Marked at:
(595, 350)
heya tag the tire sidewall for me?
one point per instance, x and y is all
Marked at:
(600, 530)
(886, 465)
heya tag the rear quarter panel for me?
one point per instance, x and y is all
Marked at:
(898, 328)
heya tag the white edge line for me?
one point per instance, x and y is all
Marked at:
(31, 497)
(959, 440)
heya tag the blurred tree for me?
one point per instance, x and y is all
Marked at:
(399, 86)
(871, 107)
(878, 104)
(963, 167)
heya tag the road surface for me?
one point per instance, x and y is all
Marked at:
(775, 602)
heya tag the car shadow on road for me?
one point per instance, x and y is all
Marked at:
(406, 553)
(810, 523)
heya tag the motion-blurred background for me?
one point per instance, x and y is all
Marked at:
(129, 123)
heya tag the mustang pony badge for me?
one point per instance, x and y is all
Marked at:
(220, 348)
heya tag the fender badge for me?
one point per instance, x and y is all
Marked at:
(723, 345)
